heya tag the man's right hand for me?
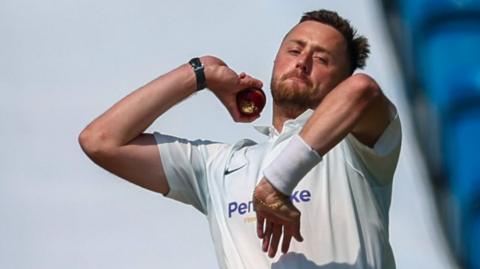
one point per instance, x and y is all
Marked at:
(116, 141)
(226, 83)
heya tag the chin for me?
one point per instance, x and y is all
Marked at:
(295, 93)
(290, 98)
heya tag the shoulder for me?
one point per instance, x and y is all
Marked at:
(379, 160)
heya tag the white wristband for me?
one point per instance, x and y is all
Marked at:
(291, 165)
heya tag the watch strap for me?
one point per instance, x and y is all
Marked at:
(199, 73)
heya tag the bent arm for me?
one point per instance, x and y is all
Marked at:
(357, 105)
(115, 140)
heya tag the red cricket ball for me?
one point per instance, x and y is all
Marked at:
(251, 101)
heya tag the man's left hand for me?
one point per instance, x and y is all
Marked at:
(276, 217)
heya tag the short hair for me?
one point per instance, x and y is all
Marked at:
(357, 45)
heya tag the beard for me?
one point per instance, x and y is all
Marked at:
(298, 93)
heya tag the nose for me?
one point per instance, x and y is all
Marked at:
(303, 63)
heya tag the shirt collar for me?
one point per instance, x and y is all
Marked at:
(288, 125)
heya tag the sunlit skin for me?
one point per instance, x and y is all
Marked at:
(311, 61)
(310, 71)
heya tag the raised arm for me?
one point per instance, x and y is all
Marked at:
(116, 140)
(355, 106)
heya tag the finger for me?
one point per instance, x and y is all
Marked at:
(231, 105)
(296, 232)
(267, 235)
(277, 232)
(249, 82)
(242, 75)
(260, 225)
(287, 237)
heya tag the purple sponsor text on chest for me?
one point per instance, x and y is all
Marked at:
(242, 208)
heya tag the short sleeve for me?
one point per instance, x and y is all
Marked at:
(184, 163)
(381, 159)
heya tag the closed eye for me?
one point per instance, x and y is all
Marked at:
(294, 51)
(321, 60)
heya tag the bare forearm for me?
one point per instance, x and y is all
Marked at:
(115, 140)
(344, 110)
(129, 117)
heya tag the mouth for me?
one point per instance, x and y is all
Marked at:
(297, 78)
(294, 78)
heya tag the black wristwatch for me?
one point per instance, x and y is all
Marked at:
(199, 74)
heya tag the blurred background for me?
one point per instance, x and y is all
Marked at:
(437, 44)
(63, 63)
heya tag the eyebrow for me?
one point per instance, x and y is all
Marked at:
(315, 47)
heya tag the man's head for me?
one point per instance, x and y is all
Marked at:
(318, 53)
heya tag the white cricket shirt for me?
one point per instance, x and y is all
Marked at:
(344, 200)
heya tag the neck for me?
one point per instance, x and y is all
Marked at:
(282, 113)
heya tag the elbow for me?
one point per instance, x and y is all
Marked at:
(93, 143)
(364, 88)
